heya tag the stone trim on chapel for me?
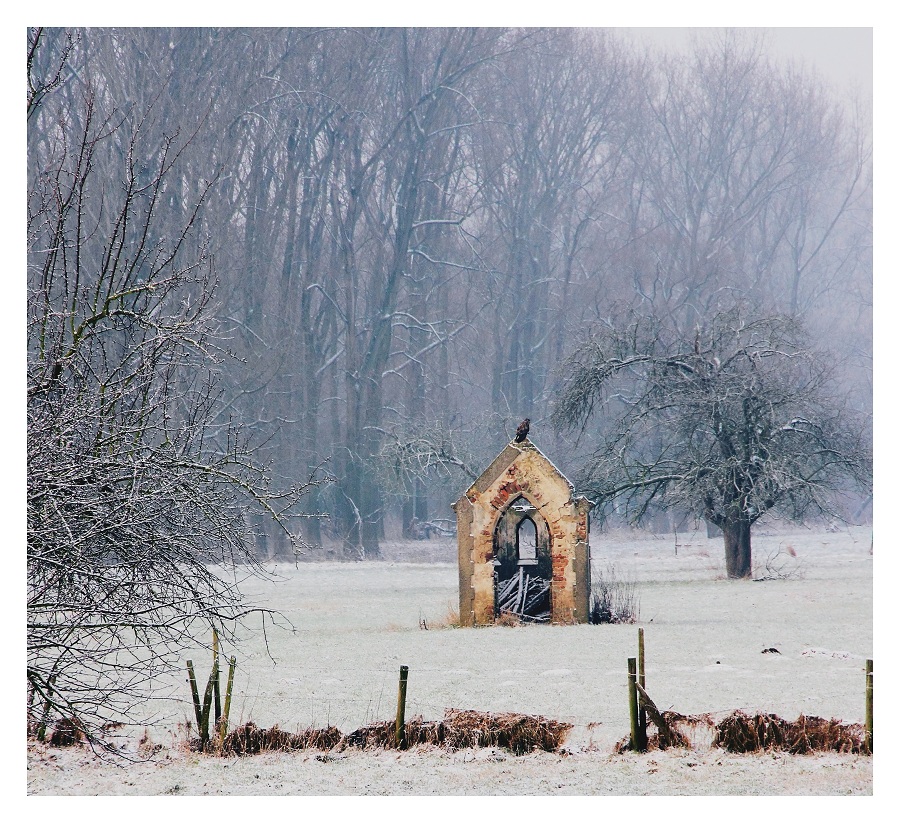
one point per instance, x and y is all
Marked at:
(523, 542)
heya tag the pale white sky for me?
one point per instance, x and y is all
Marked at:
(842, 55)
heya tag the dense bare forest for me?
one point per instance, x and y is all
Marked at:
(393, 239)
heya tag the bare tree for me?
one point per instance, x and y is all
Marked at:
(137, 491)
(735, 421)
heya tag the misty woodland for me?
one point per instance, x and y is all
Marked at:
(290, 292)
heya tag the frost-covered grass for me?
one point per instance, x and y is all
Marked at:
(355, 624)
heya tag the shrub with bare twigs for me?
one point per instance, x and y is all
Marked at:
(138, 489)
(613, 599)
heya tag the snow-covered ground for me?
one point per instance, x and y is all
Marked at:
(354, 624)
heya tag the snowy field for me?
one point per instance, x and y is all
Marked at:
(354, 624)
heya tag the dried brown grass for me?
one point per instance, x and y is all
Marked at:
(462, 729)
(449, 621)
(676, 738)
(146, 747)
(67, 732)
(521, 733)
(740, 732)
(250, 739)
(459, 729)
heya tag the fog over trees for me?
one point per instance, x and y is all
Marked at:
(396, 238)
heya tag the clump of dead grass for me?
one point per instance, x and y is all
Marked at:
(674, 736)
(250, 739)
(740, 733)
(146, 746)
(67, 732)
(450, 619)
(462, 729)
(459, 729)
(613, 599)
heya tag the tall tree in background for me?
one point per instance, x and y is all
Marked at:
(411, 227)
(546, 159)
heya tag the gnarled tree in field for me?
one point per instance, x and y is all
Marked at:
(732, 420)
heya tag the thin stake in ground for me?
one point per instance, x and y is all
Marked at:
(869, 701)
(400, 727)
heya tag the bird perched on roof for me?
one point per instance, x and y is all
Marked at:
(522, 431)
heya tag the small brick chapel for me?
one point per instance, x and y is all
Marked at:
(523, 543)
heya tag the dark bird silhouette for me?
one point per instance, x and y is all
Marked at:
(522, 431)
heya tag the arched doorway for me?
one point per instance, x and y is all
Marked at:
(523, 567)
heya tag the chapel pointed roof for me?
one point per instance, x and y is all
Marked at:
(512, 452)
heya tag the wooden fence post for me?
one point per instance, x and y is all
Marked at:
(642, 712)
(207, 705)
(400, 728)
(217, 704)
(633, 704)
(869, 699)
(223, 722)
(198, 712)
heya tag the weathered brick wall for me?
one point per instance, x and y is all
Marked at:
(522, 470)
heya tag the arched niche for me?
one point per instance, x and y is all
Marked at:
(523, 566)
(492, 543)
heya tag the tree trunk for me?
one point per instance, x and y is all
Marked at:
(421, 501)
(737, 547)
(408, 510)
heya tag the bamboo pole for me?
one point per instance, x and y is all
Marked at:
(869, 700)
(400, 728)
(633, 704)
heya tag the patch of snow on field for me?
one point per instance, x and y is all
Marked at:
(353, 624)
(826, 653)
